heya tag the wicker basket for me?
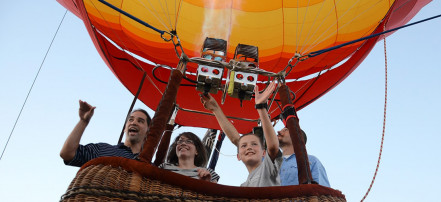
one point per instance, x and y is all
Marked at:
(120, 179)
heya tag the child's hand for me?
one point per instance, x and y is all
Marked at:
(263, 97)
(209, 102)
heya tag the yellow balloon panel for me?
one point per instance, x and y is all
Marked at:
(356, 17)
(300, 4)
(261, 29)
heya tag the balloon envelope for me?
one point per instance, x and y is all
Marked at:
(278, 28)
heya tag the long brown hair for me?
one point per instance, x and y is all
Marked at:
(200, 160)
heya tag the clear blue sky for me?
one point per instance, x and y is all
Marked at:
(344, 126)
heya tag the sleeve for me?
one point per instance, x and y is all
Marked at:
(84, 154)
(318, 171)
(271, 167)
(214, 176)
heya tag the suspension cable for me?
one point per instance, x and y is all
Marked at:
(132, 105)
(316, 53)
(32, 85)
(299, 57)
(166, 82)
(384, 125)
(133, 17)
(173, 35)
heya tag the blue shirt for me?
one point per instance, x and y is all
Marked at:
(289, 173)
(88, 152)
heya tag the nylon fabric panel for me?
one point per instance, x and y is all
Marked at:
(279, 30)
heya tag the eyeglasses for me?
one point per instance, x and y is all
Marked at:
(185, 141)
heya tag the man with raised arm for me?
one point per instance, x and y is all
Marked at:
(75, 154)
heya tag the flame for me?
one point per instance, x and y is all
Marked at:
(218, 20)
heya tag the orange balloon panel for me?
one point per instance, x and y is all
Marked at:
(278, 28)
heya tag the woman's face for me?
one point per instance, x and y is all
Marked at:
(185, 148)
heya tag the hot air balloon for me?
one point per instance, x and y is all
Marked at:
(226, 48)
(279, 30)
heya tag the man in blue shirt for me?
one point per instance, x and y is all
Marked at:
(289, 171)
(75, 154)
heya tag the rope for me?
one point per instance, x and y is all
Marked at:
(215, 156)
(132, 17)
(131, 106)
(227, 155)
(306, 41)
(35, 79)
(315, 53)
(384, 124)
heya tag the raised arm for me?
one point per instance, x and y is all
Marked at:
(268, 130)
(227, 127)
(72, 142)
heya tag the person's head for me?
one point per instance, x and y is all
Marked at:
(187, 145)
(285, 138)
(136, 127)
(250, 149)
(149, 120)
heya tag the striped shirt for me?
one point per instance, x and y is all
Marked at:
(90, 151)
(193, 173)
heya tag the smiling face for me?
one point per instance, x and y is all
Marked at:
(187, 145)
(250, 150)
(185, 148)
(136, 128)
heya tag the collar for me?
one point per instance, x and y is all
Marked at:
(289, 156)
(121, 145)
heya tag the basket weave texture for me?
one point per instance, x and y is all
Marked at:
(103, 179)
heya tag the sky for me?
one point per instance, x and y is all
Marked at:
(344, 127)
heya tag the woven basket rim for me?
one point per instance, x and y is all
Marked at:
(152, 172)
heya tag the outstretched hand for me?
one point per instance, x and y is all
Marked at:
(209, 102)
(204, 174)
(86, 111)
(263, 97)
